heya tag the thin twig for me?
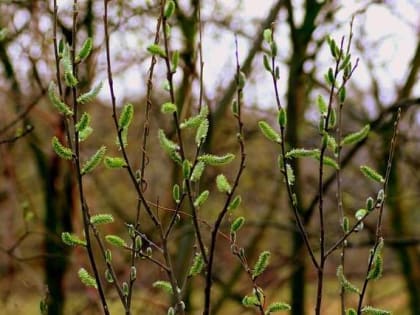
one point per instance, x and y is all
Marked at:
(222, 214)
(76, 160)
(378, 234)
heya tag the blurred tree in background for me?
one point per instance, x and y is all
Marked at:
(37, 189)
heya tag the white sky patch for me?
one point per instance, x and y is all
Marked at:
(393, 31)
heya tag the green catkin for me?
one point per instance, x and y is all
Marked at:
(261, 264)
(163, 285)
(85, 50)
(101, 218)
(168, 108)
(115, 240)
(202, 131)
(197, 171)
(72, 240)
(278, 307)
(356, 136)
(91, 95)
(347, 285)
(126, 116)
(155, 49)
(83, 122)
(371, 174)
(269, 132)
(215, 160)
(86, 278)
(237, 224)
(60, 150)
(222, 184)
(114, 162)
(197, 265)
(94, 160)
(56, 101)
(201, 199)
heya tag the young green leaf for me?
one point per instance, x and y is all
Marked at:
(72, 240)
(116, 241)
(223, 184)
(163, 285)
(114, 162)
(155, 49)
(269, 132)
(103, 218)
(261, 264)
(126, 116)
(371, 174)
(201, 199)
(60, 150)
(56, 101)
(87, 279)
(94, 160)
(91, 95)
(356, 136)
(347, 285)
(215, 160)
